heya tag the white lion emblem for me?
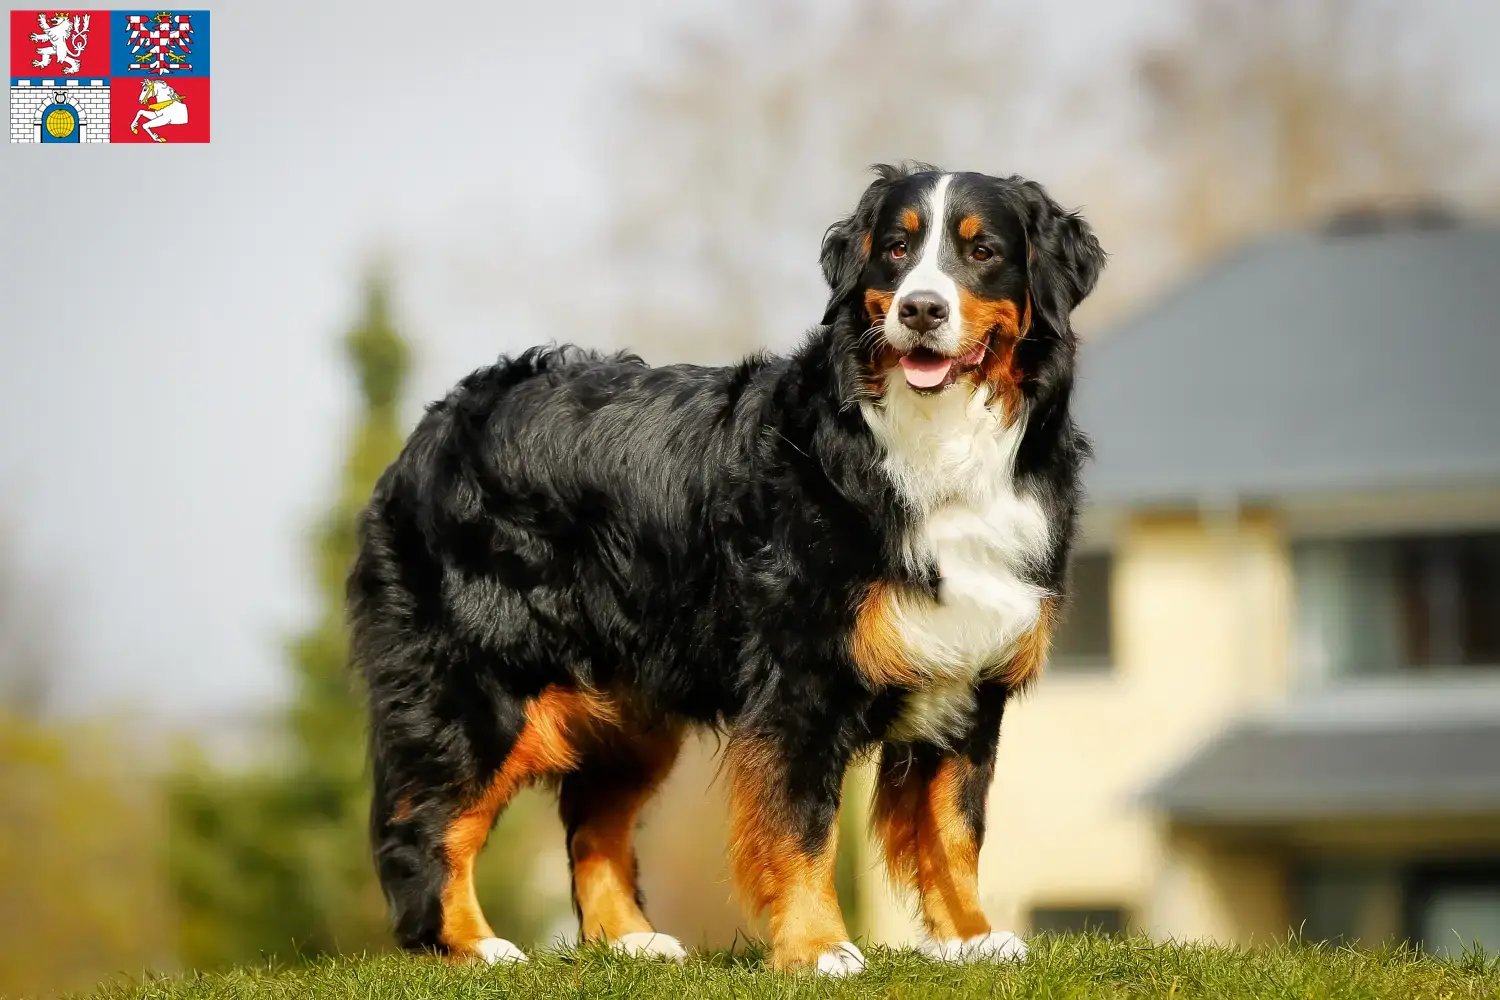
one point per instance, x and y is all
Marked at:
(67, 37)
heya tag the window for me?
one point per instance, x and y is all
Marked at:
(1392, 605)
(1079, 919)
(1347, 902)
(1082, 640)
(1452, 908)
(1443, 908)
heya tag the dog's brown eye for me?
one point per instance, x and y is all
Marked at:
(898, 250)
(982, 253)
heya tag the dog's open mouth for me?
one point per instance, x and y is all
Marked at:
(928, 371)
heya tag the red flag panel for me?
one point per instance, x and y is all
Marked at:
(71, 43)
(168, 111)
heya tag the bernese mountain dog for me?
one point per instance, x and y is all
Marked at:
(861, 546)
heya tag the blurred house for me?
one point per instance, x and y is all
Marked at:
(1276, 702)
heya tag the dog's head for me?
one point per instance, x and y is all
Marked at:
(959, 276)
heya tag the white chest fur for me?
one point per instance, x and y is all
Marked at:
(953, 462)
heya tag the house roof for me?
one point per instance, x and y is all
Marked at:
(1264, 773)
(1309, 362)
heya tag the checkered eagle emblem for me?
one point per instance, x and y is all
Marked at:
(160, 43)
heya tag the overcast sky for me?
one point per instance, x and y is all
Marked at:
(169, 371)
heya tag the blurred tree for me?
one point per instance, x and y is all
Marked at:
(731, 154)
(735, 152)
(1279, 113)
(275, 860)
(80, 893)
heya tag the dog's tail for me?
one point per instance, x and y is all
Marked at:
(406, 822)
(407, 843)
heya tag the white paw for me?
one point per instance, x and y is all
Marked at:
(843, 959)
(650, 944)
(497, 950)
(997, 946)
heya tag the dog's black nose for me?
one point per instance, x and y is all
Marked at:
(923, 311)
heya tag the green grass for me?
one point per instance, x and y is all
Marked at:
(1058, 968)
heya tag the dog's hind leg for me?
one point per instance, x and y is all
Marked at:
(427, 843)
(600, 804)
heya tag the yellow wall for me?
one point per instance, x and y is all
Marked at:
(1200, 609)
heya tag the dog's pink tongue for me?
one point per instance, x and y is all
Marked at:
(925, 372)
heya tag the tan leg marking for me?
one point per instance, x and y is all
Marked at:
(555, 720)
(603, 845)
(772, 867)
(930, 847)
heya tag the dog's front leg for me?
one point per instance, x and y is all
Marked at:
(929, 813)
(784, 804)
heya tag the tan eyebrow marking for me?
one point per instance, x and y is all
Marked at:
(910, 221)
(969, 227)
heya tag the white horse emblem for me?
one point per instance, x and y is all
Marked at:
(163, 107)
(66, 39)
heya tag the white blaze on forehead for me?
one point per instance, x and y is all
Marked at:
(927, 276)
(926, 273)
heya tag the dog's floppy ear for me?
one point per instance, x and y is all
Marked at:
(846, 244)
(1064, 257)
